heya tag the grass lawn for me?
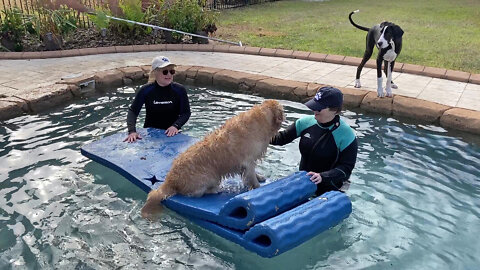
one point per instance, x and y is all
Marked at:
(438, 33)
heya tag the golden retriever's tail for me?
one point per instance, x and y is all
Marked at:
(155, 197)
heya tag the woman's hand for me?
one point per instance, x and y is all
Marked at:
(171, 131)
(132, 137)
(316, 177)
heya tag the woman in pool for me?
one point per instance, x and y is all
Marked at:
(328, 145)
(166, 103)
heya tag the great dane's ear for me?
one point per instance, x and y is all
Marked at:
(397, 31)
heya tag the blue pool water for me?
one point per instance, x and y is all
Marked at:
(415, 194)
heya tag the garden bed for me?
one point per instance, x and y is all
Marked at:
(91, 38)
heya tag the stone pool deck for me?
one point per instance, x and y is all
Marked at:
(32, 82)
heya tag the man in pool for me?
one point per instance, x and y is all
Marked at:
(166, 103)
(328, 145)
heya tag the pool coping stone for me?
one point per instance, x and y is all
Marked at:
(66, 90)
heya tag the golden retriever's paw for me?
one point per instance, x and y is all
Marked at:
(261, 178)
(151, 212)
(253, 185)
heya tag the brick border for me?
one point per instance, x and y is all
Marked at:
(66, 90)
(441, 73)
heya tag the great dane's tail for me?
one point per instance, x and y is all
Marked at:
(354, 24)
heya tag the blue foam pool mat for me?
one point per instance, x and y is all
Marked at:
(252, 219)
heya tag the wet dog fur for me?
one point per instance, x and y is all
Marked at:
(232, 149)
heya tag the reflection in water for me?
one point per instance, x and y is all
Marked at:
(415, 195)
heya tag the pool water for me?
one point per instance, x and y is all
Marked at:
(415, 193)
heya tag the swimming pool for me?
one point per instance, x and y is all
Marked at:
(415, 195)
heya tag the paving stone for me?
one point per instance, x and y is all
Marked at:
(13, 55)
(133, 73)
(252, 50)
(236, 49)
(413, 69)
(371, 63)
(418, 109)
(11, 107)
(474, 78)
(461, 119)
(398, 67)
(48, 97)
(249, 83)
(192, 72)
(102, 50)
(435, 72)
(267, 52)
(319, 57)
(190, 47)
(31, 55)
(205, 76)
(124, 49)
(284, 53)
(277, 88)
(69, 53)
(108, 79)
(312, 89)
(140, 48)
(352, 61)
(157, 47)
(174, 47)
(77, 80)
(229, 79)
(221, 48)
(455, 75)
(352, 98)
(205, 48)
(300, 55)
(336, 59)
(372, 103)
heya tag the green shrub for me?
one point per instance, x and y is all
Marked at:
(189, 16)
(99, 19)
(12, 28)
(132, 10)
(58, 22)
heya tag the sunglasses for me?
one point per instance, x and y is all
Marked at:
(165, 71)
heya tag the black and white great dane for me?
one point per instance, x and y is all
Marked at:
(386, 36)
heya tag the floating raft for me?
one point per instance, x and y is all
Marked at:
(269, 220)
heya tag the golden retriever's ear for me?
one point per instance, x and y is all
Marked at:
(278, 112)
(279, 115)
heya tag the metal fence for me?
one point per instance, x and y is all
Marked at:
(31, 6)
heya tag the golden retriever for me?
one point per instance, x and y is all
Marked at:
(232, 149)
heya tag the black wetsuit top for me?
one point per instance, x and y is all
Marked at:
(165, 106)
(329, 149)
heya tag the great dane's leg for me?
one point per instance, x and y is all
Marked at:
(392, 64)
(394, 86)
(370, 44)
(379, 76)
(388, 85)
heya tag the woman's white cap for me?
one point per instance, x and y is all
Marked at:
(161, 62)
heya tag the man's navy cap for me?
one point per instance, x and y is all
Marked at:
(326, 97)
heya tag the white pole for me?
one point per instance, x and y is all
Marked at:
(173, 30)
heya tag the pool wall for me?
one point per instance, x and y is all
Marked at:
(67, 89)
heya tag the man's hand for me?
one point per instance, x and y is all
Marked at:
(171, 131)
(132, 137)
(316, 177)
